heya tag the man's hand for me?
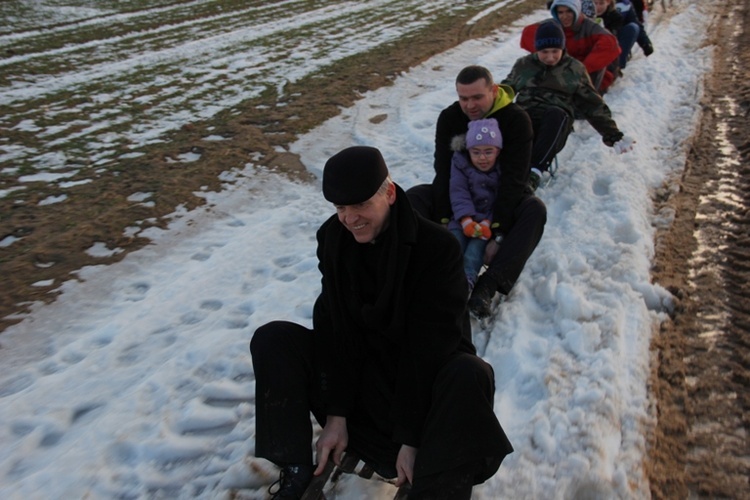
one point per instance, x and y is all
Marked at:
(405, 464)
(334, 438)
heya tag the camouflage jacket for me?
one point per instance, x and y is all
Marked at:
(566, 85)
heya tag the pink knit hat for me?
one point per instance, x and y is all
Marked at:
(484, 133)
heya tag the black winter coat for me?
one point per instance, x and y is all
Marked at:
(565, 85)
(389, 316)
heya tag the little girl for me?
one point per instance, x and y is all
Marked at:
(474, 182)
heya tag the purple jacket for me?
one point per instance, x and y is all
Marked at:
(472, 192)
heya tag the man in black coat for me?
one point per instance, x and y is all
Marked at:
(519, 217)
(388, 368)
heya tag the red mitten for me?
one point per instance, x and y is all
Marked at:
(484, 226)
(471, 228)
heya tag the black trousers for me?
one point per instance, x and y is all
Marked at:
(529, 218)
(519, 243)
(461, 429)
(552, 126)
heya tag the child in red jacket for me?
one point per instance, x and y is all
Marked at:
(585, 40)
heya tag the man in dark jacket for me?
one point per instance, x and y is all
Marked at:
(388, 369)
(519, 217)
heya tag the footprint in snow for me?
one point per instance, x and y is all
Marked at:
(130, 355)
(15, 384)
(201, 256)
(211, 305)
(137, 291)
(601, 186)
(192, 318)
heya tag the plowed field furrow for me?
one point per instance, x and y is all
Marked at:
(88, 92)
(702, 448)
(23, 17)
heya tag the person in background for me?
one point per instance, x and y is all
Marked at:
(630, 14)
(610, 18)
(586, 41)
(587, 8)
(552, 87)
(388, 368)
(518, 217)
(641, 10)
(475, 180)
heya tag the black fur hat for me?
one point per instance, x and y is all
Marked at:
(353, 175)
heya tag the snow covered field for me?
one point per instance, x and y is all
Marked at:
(89, 82)
(137, 382)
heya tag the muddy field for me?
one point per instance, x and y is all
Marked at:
(700, 358)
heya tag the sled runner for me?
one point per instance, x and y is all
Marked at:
(349, 465)
(552, 171)
(549, 175)
(481, 328)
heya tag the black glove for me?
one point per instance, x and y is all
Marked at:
(611, 139)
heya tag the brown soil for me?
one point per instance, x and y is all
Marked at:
(700, 446)
(701, 358)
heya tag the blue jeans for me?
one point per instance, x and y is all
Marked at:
(519, 240)
(626, 37)
(473, 250)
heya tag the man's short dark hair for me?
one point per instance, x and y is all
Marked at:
(471, 74)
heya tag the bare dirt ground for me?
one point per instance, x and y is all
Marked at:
(701, 369)
(700, 358)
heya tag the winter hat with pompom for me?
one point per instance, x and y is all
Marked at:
(484, 133)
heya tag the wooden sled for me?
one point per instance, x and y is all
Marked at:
(332, 473)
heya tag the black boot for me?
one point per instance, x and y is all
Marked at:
(648, 48)
(292, 483)
(481, 296)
